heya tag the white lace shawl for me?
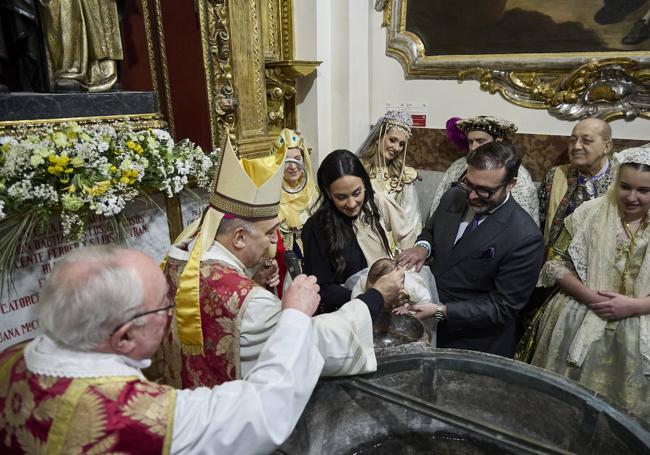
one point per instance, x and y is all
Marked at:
(593, 227)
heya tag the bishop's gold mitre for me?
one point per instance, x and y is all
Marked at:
(249, 188)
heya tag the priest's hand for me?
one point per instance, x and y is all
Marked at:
(302, 295)
(390, 285)
(414, 257)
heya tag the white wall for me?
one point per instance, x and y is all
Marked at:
(356, 80)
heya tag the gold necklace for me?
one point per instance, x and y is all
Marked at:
(627, 248)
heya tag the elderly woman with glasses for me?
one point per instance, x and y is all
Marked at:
(299, 191)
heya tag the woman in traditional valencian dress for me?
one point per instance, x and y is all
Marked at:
(596, 330)
(299, 193)
(299, 190)
(383, 154)
(352, 227)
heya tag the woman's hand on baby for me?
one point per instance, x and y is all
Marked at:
(403, 309)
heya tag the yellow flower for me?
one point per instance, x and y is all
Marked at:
(130, 145)
(69, 170)
(62, 160)
(99, 188)
(5, 147)
(52, 158)
(124, 180)
(51, 170)
(113, 169)
(58, 168)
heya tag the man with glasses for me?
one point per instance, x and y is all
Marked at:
(485, 252)
(78, 388)
(473, 132)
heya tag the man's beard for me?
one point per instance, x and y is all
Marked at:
(488, 206)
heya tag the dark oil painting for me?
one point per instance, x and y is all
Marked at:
(474, 27)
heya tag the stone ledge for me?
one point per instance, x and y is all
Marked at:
(46, 106)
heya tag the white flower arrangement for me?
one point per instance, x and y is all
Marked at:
(79, 171)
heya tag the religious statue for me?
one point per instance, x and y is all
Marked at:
(83, 43)
(22, 62)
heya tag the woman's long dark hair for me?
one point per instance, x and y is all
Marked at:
(338, 164)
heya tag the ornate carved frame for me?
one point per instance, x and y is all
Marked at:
(250, 71)
(570, 86)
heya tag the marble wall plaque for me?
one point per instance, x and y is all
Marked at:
(192, 204)
(147, 230)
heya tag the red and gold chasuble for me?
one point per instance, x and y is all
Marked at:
(223, 291)
(53, 415)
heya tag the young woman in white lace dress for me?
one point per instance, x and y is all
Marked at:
(596, 330)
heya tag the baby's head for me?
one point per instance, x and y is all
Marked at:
(380, 268)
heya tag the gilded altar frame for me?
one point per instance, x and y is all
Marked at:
(569, 85)
(248, 56)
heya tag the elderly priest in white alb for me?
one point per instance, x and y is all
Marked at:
(77, 388)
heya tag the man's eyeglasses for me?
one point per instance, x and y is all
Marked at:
(144, 313)
(481, 191)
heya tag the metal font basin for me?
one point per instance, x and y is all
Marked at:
(449, 401)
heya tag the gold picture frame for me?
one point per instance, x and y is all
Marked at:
(570, 85)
